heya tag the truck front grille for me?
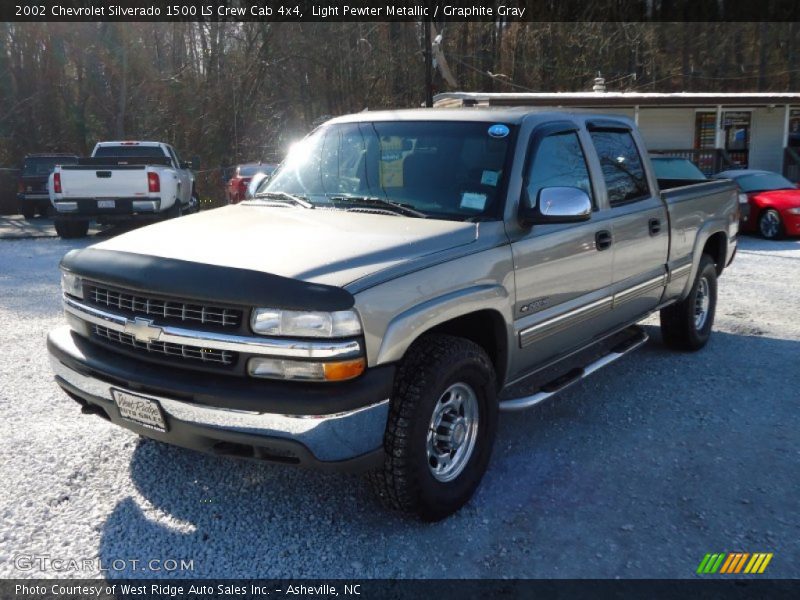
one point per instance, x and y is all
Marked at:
(180, 311)
(177, 351)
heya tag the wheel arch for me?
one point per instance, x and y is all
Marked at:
(480, 314)
(716, 247)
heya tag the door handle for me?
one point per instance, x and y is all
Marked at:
(603, 239)
(654, 226)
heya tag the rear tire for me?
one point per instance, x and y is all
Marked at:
(28, 211)
(770, 225)
(441, 428)
(686, 325)
(71, 229)
(176, 210)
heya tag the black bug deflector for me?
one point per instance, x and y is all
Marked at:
(186, 279)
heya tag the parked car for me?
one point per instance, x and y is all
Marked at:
(403, 277)
(121, 182)
(32, 183)
(674, 171)
(770, 203)
(238, 184)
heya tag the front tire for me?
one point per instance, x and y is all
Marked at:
(28, 211)
(770, 225)
(441, 428)
(686, 325)
(71, 229)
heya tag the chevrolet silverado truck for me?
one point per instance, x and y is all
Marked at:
(402, 278)
(121, 182)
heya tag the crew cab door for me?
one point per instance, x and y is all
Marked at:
(563, 274)
(184, 176)
(640, 226)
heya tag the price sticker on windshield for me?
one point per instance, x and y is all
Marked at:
(473, 201)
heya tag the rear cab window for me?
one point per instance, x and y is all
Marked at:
(42, 166)
(129, 151)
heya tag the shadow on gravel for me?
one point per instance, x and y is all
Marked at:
(757, 245)
(637, 472)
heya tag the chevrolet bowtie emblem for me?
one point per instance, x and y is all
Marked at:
(143, 330)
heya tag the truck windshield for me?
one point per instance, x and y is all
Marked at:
(129, 152)
(445, 170)
(42, 165)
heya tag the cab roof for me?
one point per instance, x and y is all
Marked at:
(509, 115)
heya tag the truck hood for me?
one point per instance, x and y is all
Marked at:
(331, 247)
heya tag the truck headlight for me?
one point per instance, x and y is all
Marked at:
(291, 323)
(71, 284)
(794, 211)
(275, 368)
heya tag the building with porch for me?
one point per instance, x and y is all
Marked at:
(717, 131)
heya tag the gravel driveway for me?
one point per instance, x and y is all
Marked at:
(637, 472)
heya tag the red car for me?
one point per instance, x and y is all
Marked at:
(237, 185)
(770, 203)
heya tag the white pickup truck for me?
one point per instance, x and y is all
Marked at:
(121, 182)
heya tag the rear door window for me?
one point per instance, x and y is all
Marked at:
(623, 170)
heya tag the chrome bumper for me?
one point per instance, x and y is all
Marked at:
(330, 438)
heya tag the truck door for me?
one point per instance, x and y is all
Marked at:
(184, 177)
(563, 274)
(640, 225)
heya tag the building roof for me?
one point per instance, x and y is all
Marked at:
(616, 99)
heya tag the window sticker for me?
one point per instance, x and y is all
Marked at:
(499, 130)
(391, 164)
(490, 178)
(473, 201)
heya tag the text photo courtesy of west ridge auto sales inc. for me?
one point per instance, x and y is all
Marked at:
(397, 299)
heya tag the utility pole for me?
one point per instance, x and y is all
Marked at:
(428, 65)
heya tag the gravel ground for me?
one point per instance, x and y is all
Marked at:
(637, 472)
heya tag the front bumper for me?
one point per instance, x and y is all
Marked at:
(791, 223)
(208, 420)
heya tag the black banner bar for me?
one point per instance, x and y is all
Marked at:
(401, 10)
(448, 589)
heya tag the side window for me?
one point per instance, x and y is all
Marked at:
(559, 162)
(174, 156)
(622, 166)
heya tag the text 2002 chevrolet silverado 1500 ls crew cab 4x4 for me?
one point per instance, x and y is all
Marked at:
(394, 285)
(120, 182)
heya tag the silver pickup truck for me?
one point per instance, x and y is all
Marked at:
(401, 279)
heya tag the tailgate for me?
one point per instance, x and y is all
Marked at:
(34, 185)
(80, 181)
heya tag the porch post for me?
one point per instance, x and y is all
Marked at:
(719, 142)
(786, 111)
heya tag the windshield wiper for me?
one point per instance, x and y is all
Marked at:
(372, 201)
(285, 197)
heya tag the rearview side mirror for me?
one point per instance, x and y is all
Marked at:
(187, 164)
(254, 184)
(556, 205)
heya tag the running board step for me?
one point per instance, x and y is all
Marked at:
(560, 384)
